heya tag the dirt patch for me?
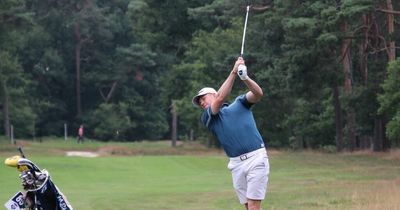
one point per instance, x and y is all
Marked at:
(82, 154)
(180, 149)
(116, 150)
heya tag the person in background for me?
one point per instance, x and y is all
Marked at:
(235, 128)
(80, 134)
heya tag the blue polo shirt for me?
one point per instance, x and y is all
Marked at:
(235, 127)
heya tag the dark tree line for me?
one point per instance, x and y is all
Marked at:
(328, 68)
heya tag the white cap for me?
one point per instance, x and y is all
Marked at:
(202, 92)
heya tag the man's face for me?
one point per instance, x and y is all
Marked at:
(206, 100)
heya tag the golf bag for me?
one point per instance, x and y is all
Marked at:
(39, 192)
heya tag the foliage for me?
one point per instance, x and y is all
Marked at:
(13, 86)
(311, 123)
(109, 122)
(137, 57)
(390, 100)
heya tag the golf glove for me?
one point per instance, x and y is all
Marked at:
(242, 72)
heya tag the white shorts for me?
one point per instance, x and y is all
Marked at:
(250, 175)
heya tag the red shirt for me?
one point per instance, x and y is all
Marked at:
(80, 131)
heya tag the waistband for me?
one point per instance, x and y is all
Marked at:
(248, 155)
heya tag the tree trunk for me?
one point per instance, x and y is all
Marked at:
(363, 49)
(78, 48)
(386, 142)
(191, 135)
(5, 107)
(351, 125)
(381, 142)
(392, 57)
(345, 55)
(174, 124)
(110, 92)
(346, 64)
(392, 44)
(338, 119)
(378, 135)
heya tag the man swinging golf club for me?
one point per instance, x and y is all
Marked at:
(235, 127)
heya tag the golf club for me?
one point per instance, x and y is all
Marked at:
(244, 30)
(242, 67)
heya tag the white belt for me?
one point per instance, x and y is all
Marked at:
(248, 155)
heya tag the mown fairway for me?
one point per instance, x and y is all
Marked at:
(301, 180)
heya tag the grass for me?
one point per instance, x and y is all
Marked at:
(146, 176)
(328, 181)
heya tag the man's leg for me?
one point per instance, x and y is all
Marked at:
(253, 204)
(257, 181)
(239, 180)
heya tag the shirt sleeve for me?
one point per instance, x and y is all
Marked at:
(243, 100)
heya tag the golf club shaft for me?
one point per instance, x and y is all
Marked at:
(244, 30)
(20, 151)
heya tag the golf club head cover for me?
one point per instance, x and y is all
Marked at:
(242, 72)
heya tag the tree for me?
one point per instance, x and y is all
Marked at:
(110, 122)
(14, 103)
(390, 101)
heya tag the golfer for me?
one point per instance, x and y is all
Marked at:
(235, 127)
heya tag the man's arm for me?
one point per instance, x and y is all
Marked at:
(225, 88)
(255, 93)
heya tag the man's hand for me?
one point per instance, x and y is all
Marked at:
(238, 62)
(242, 72)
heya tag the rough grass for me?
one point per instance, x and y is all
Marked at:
(60, 146)
(152, 175)
(334, 181)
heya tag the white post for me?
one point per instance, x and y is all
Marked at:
(65, 132)
(12, 134)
